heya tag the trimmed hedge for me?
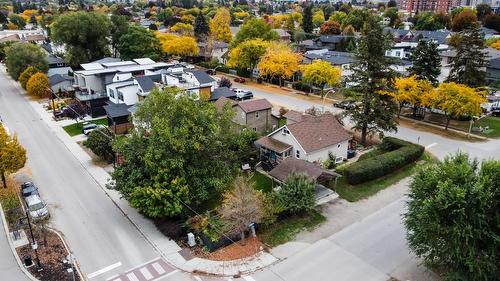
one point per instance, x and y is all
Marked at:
(400, 153)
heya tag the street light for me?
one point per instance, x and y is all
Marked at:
(34, 245)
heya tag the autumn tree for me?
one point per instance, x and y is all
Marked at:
(17, 20)
(318, 18)
(20, 56)
(12, 154)
(201, 28)
(38, 85)
(492, 21)
(253, 29)
(482, 10)
(225, 82)
(330, 27)
(84, 34)
(219, 26)
(338, 16)
(468, 65)
(139, 42)
(26, 75)
(182, 28)
(174, 45)
(372, 77)
(279, 61)
(320, 74)
(426, 61)
(464, 20)
(457, 100)
(307, 21)
(452, 218)
(247, 54)
(410, 90)
(242, 205)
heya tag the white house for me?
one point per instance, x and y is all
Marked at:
(312, 139)
(131, 90)
(195, 82)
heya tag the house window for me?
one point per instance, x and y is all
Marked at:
(338, 160)
(257, 114)
(297, 153)
(111, 93)
(398, 53)
(242, 115)
(254, 129)
(120, 96)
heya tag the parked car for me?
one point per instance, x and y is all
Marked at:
(211, 72)
(243, 94)
(345, 104)
(36, 208)
(239, 80)
(89, 127)
(28, 188)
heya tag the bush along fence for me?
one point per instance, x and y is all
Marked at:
(399, 153)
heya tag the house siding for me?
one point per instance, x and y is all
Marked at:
(322, 155)
(264, 123)
(289, 139)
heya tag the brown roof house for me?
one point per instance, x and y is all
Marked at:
(255, 114)
(311, 139)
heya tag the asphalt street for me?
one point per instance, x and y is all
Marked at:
(101, 237)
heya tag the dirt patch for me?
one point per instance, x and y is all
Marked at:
(232, 252)
(51, 252)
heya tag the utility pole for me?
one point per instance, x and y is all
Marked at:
(34, 245)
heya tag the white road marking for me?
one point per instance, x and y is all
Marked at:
(143, 264)
(248, 278)
(145, 272)
(158, 268)
(166, 275)
(117, 279)
(197, 278)
(106, 269)
(431, 145)
(131, 276)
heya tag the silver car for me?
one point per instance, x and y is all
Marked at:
(36, 208)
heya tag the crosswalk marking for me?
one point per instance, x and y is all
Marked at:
(131, 276)
(145, 272)
(248, 278)
(158, 268)
(197, 278)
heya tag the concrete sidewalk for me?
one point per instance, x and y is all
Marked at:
(167, 248)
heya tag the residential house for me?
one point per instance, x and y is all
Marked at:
(332, 42)
(340, 59)
(493, 71)
(118, 116)
(294, 116)
(197, 83)
(312, 139)
(217, 50)
(131, 90)
(24, 35)
(254, 114)
(448, 55)
(284, 36)
(222, 92)
(61, 83)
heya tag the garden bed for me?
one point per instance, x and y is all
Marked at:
(233, 251)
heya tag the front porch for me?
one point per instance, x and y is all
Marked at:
(272, 152)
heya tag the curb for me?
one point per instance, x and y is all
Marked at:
(14, 252)
(471, 135)
(76, 265)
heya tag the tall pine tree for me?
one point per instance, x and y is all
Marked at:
(426, 62)
(372, 77)
(468, 65)
(201, 28)
(307, 23)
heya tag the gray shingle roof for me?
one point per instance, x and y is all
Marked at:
(145, 83)
(58, 78)
(292, 165)
(117, 110)
(222, 92)
(54, 60)
(201, 76)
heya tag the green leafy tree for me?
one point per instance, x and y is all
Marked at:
(426, 62)
(392, 14)
(12, 155)
(247, 54)
(3, 18)
(26, 75)
(427, 21)
(139, 42)
(119, 26)
(201, 28)
(482, 10)
(181, 152)
(372, 78)
(252, 29)
(468, 66)
(84, 35)
(453, 219)
(19, 56)
(492, 21)
(307, 19)
(17, 20)
(357, 18)
(297, 194)
(100, 142)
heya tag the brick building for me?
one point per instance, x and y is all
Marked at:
(414, 6)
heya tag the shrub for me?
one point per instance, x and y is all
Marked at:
(301, 86)
(26, 75)
(225, 82)
(38, 85)
(297, 194)
(170, 227)
(400, 153)
(100, 141)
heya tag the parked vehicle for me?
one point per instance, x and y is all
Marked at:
(28, 188)
(211, 72)
(36, 208)
(89, 127)
(239, 80)
(243, 94)
(345, 104)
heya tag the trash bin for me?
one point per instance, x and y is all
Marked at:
(28, 261)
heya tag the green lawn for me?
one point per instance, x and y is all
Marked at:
(354, 193)
(286, 229)
(76, 129)
(262, 182)
(490, 121)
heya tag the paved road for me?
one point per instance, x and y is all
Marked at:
(9, 269)
(97, 232)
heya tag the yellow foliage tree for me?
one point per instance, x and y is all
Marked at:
(12, 154)
(26, 75)
(321, 73)
(241, 15)
(410, 90)
(182, 28)
(38, 85)
(457, 100)
(279, 61)
(219, 26)
(12, 26)
(496, 45)
(247, 54)
(318, 18)
(174, 45)
(189, 19)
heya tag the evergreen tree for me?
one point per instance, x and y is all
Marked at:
(467, 67)
(201, 28)
(372, 76)
(307, 23)
(426, 62)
